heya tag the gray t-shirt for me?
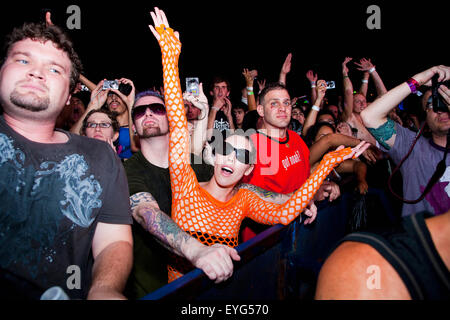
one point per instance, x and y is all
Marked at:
(417, 171)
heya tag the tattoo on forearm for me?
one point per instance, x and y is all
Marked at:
(154, 220)
(142, 197)
(384, 132)
(264, 194)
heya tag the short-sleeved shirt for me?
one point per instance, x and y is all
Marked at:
(417, 171)
(51, 198)
(282, 166)
(124, 143)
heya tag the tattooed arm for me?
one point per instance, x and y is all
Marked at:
(215, 261)
(266, 195)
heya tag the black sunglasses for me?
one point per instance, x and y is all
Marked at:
(156, 108)
(242, 155)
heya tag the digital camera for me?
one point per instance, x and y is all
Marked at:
(331, 85)
(110, 84)
(192, 86)
(114, 84)
(437, 101)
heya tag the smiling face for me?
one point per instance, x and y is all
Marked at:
(35, 80)
(228, 171)
(359, 103)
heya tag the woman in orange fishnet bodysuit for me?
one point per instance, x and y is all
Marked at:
(217, 219)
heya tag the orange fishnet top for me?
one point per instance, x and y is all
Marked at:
(195, 210)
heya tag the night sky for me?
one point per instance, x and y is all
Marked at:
(223, 37)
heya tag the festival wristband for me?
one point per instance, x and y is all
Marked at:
(413, 85)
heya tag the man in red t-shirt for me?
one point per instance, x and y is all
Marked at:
(282, 163)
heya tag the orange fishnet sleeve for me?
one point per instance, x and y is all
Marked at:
(269, 213)
(193, 209)
(180, 170)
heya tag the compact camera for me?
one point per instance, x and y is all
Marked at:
(437, 101)
(331, 85)
(110, 84)
(192, 86)
(114, 84)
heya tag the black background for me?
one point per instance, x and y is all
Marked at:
(223, 37)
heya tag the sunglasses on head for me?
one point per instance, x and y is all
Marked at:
(156, 108)
(242, 155)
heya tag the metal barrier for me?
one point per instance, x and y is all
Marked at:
(282, 262)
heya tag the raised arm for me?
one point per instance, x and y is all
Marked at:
(285, 69)
(366, 65)
(330, 141)
(89, 84)
(269, 213)
(312, 114)
(249, 80)
(129, 100)
(179, 156)
(312, 77)
(375, 116)
(365, 84)
(348, 91)
(98, 99)
(199, 136)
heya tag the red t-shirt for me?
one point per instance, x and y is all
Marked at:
(282, 166)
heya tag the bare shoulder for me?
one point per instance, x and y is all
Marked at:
(357, 271)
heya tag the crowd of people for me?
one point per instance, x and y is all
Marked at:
(138, 188)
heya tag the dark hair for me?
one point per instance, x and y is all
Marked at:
(299, 108)
(111, 115)
(219, 79)
(312, 132)
(270, 87)
(41, 32)
(250, 120)
(328, 112)
(148, 93)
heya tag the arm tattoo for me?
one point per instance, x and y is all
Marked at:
(154, 220)
(384, 132)
(266, 195)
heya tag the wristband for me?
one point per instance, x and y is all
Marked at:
(371, 69)
(315, 108)
(313, 86)
(249, 93)
(365, 81)
(413, 85)
(249, 88)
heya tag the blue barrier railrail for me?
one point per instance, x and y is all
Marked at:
(280, 262)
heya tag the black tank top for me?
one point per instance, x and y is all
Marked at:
(411, 252)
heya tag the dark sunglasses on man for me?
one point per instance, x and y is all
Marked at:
(139, 111)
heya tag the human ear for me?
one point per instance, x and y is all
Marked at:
(260, 110)
(249, 170)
